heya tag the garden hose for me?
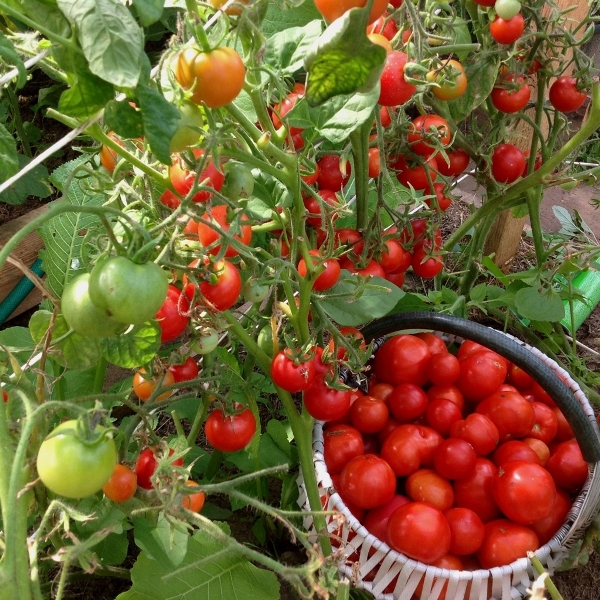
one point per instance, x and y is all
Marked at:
(510, 349)
(588, 283)
(19, 292)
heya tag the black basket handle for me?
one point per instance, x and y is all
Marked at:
(515, 352)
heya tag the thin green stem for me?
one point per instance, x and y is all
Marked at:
(359, 139)
(99, 376)
(537, 565)
(18, 122)
(534, 201)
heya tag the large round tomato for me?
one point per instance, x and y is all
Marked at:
(216, 77)
(402, 359)
(467, 531)
(80, 313)
(481, 374)
(512, 95)
(230, 433)
(441, 414)
(128, 292)
(420, 531)
(341, 443)
(508, 163)
(505, 542)
(479, 430)
(376, 520)
(186, 371)
(546, 528)
(71, 465)
(425, 485)
(565, 96)
(325, 403)
(450, 80)
(507, 31)
(524, 491)
(173, 315)
(426, 132)
(567, 467)
(407, 402)
(454, 458)
(475, 490)
(367, 481)
(369, 414)
(220, 288)
(394, 88)
(334, 9)
(122, 484)
(218, 216)
(291, 374)
(511, 413)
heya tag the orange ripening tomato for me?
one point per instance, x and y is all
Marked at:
(216, 77)
(122, 484)
(334, 9)
(144, 388)
(193, 502)
(108, 157)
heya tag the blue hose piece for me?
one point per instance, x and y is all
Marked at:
(19, 293)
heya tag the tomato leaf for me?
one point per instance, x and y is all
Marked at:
(221, 576)
(87, 95)
(346, 307)
(34, 184)
(9, 161)
(539, 305)
(280, 18)
(137, 346)
(160, 119)
(343, 60)
(123, 119)
(11, 56)
(165, 542)
(110, 38)
(286, 49)
(149, 11)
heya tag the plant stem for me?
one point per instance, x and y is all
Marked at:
(534, 200)
(99, 376)
(359, 139)
(18, 122)
(537, 565)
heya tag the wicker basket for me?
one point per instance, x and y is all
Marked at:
(372, 565)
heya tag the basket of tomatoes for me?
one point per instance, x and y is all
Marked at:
(465, 450)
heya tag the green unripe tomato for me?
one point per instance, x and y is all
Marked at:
(80, 313)
(507, 9)
(73, 467)
(265, 340)
(187, 134)
(206, 342)
(128, 292)
(239, 181)
(569, 185)
(254, 291)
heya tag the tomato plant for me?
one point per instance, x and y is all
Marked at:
(230, 432)
(565, 96)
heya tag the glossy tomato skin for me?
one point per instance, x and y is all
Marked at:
(475, 490)
(420, 531)
(415, 175)
(545, 427)
(122, 484)
(368, 481)
(72, 467)
(567, 467)
(512, 414)
(291, 374)
(451, 80)
(425, 263)
(434, 342)
(184, 180)
(441, 414)
(394, 88)
(479, 430)
(334, 9)
(217, 77)
(369, 414)
(458, 162)
(144, 386)
(230, 433)
(424, 129)
(546, 528)
(508, 163)
(467, 531)
(173, 315)
(401, 450)
(402, 359)
(515, 450)
(146, 464)
(564, 95)
(376, 520)
(193, 502)
(341, 443)
(221, 290)
(481, 374)
(330, 175)
(505, 542)
(443, 368)
(185, 371)
(510, 99)
(330, 275)
(524, 491)
(407, 402)
(426, 485)
(325, 403)
(454, 458)
(507, 31)
(218, 215)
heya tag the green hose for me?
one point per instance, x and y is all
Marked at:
(19, 293)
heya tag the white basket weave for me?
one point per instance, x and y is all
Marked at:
(372, 565)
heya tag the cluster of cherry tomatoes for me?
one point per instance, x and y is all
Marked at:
(461, 461)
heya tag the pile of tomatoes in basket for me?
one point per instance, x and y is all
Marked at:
(460, 461)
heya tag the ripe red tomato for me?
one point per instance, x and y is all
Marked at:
(565, 431)
(434, 342)
(325, 403)
(519, 378)
(173, 316)
(479, 430)
(218, 216)
(291, 373)
(330, 175)
(540, 448)
(407, 402)
(420, 176)
(317, 214)
(441, 414)
(183, 181)
(369, 414)
(524, 491)
(374, 162)
(545, 427)
(368, 481)
(442, 202)
(401, 450)
(546, 528)
(384, 26)
(481, 374)
(376, 520)
(467, 531)
(511, 413)
(505, 542)
(475, 490)
(331, 271)
(420, 531)
(450, 78)
(353, 337)
(186, 371)
(232, 432)
(454, 458)
(334, 9)
(507, 31)
(515, 450)
(425, 263)
(428, 132)
(122, 484)
(350, 238)
(567, 467)
(4, 396)
(381, 391)
(392, 257)
(508, 163)
(221, 287)
(341, 443)
(425, 485)
(565, 96)
(402, 359)
(282, 109)
(469, 347)
(458, 162)
(443, 368)
(394, 88)
(146, 464)
(446, 392)
(511, 95)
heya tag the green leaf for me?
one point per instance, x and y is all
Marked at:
(64, 235)
(478, 293)
(113, 549)
(33, 184)
(409, 303)
(11, 56)
(9, 160)
(343, 60)
(278, 432)
(110, 38)
(87, 95)
(458, 31)
(279, 18)
(270, 191)
(165, 542)
(160, 119)
(220, 576)
(149, 11)
(376, 300)
(123, 119)
(286, 49)
(481, 77)
(519, 212)
(539, 305)
(137, 346)
(17, 337)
